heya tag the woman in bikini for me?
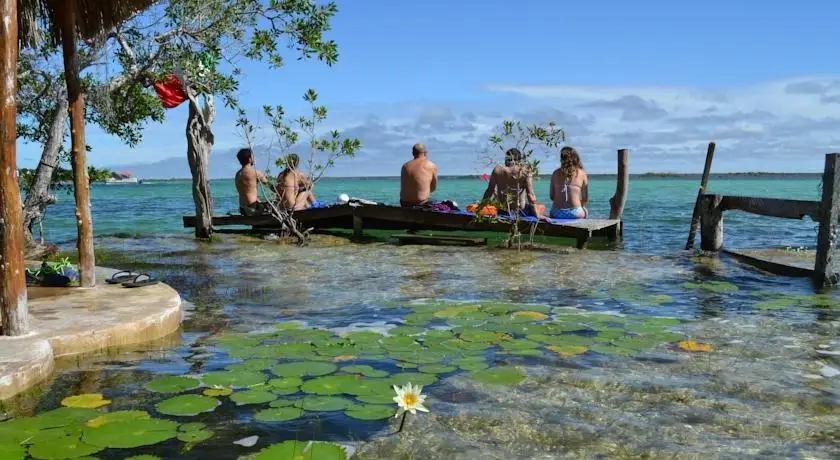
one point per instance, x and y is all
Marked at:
(569, 187)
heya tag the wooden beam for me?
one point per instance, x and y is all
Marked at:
(695, 216)
(773, 207)
(13, 299)
(440, 240)
(66, 16)
(622, 181)
(827, 263)
(711, 223)
(358, 226)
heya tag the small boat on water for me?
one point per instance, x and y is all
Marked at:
(121, 178)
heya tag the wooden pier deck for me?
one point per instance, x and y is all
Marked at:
(383, 217)
(777, 261)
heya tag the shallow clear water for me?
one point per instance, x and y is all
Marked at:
(764, 391)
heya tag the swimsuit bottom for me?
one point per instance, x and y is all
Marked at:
(568, 213)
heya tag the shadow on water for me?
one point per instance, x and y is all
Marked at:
(763, 392)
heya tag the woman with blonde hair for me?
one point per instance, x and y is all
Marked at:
(569, 187)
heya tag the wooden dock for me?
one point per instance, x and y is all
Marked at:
(777, 261)
(384, 217)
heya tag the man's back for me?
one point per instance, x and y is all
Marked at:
(246, 185)
(418, 179)
(512, 186)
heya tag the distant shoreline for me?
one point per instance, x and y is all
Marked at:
(648, 175)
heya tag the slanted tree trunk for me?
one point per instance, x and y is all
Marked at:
(199, 143)
(38, 197)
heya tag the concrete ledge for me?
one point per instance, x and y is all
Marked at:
(68, 321)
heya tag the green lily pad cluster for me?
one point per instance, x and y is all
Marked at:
(81, 432)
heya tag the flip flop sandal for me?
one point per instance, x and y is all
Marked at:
(137, 282)
(121, 277)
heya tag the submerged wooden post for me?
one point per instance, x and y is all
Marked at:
(618, 200)
(711, 223)
(695, 216)
(13, 309)
(827, 263)
(357, 226)
(66, 15)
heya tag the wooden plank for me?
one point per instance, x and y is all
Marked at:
(440, 240)
(622, 181)
(774, 261)
(711, 223)
(695, 215)
(773, 207)
(827, 263)
(66, 15)
(13, 298)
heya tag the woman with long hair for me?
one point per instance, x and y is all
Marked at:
(569, 187)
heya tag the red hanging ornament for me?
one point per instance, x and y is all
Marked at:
(170, 91)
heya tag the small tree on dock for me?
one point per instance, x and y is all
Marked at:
(533, 141)
(299, 133)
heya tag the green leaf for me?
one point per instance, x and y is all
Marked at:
(416, 378)
(302, 450)
(436, 369)
(303, 369)
(324, 403)
(330, 385)
(384, 398)
(172, 384)
(278, 414)
(187, 405)
(257, 364)
(242, 398)
(194, 437)
(194, 426)
(506, 375)
(365, 370)
(286, 383)
(370, 411)
(131, 433)
(85, 401)
(234, 379)
(62, 447)
(118, 416)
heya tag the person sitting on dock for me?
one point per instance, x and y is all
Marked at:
(246, 184)
(294, 189)
(418, 179)
(569, 188)
(512, 185)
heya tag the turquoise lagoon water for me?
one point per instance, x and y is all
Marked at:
(534, 354)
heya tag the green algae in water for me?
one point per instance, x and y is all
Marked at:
(130, 434)
(242, 398)
(233, 379)
(172, 384)
(325, 403)
(187, 405)
(505, 375)
(717, 287)
(278, 414)
(303, 369)
(370, 411)
(302, 450)
(365, 370)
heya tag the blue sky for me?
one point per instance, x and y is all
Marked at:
(662, 78)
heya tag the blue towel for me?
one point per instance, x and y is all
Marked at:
(319, 204)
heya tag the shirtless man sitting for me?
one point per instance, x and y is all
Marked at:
(512, 185)
(294, 189)
(418, 178)
(246, 184)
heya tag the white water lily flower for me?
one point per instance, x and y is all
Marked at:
(409, 399)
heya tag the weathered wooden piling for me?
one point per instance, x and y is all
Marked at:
(695, 216)
(827, 263)
(619, 199)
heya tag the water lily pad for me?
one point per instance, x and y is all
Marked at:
(243, 398)
(418, 318)
(407, 330)
(505, 375)
(482, 336)
(343, 358)
(527, 315)
(286, 383)
(324, 403)
(458, 345)
(217, 392)
(365, 370)
(130, 434)
(608, 349)
(193, 426)
(363, 337)
(564, 339)
(368, 386)
(400, 343)
(257, 364)
(172, 384)
(525, 352)
(194, 437)
(415, 378)
(303, 369)
(85, 401)
(143, 457)
(437, 369)
(12, 451)
(118, 416)
(187, 405)
(285, 402)
(234, 379)
(519, 344)
(423, 356)
(455, 311)
(61, 447)
(377, 398)
(406, 365)
(302, 450)
(278, 414)
(473, 363)
(567, 351)
(330, 385)
(370, 411)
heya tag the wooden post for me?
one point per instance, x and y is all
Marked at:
(357, 226)
(622, 181)
(13, 310)
(66, 15)
(827, 263)
(711, 223)
(695, 216)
